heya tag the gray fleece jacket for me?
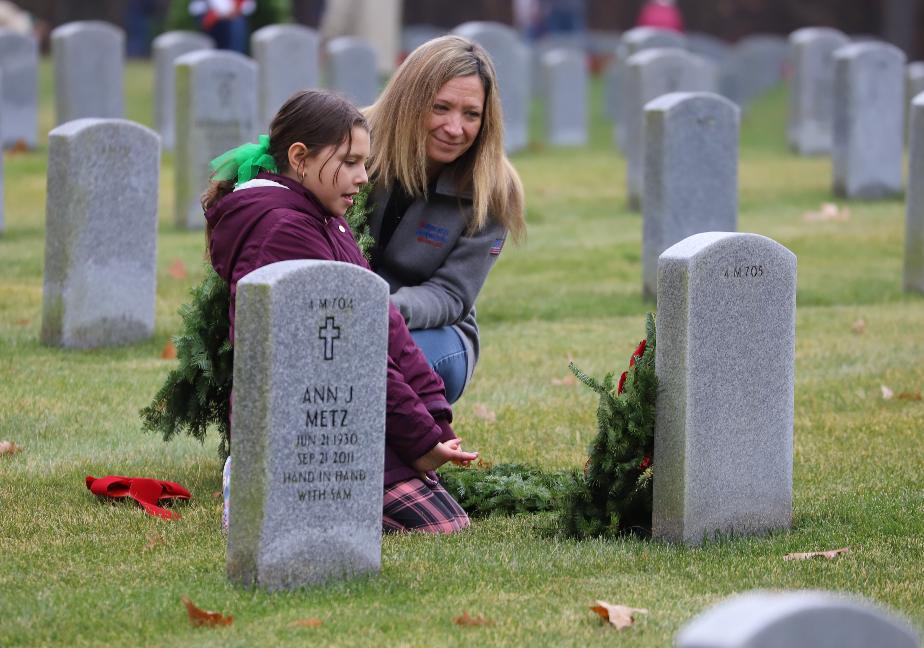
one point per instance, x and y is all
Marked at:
(433, 268)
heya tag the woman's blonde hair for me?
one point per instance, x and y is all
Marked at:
(397, 123)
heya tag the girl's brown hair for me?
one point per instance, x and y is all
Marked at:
(399, 137)
(315, 118)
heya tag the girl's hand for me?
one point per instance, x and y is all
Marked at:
(443, 452)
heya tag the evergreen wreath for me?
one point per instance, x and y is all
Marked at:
(505, 489)
(196, 394)
(614, 494)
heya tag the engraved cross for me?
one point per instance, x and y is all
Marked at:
(329, 332)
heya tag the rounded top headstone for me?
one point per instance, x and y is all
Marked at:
(87, 125)
(800, 618)
(271, 32)
(658, 54)
(214, 56)
(171, 38)
(709, 243)
(870, 49)
(99, 27)
(675, 100)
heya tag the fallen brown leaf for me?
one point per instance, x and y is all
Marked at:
(480, 410)
(200, 617)
(20, 146)
(23, 322)
(570, 379)
(9, 448)
(833, 553)
(914, 396)
(619, 616)
(154, 540)
(484, 465)
(169, 352)
(467, 620)
(177, 269)
(307, 623)
(887, 393)
(828, 212)
(859, 326)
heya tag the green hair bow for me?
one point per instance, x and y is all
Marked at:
(244, 162)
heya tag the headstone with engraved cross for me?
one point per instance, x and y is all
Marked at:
(216, 110)
(310, 351)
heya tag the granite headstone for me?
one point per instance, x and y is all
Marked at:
(100, 233)
(19, 101)
(914, 85)
(89, 61)
(914, 204)
(571, 41)
(565, 90)
(869, 104)
(796, 619)
(216, 110)
(310, 349)
(691, 173)
(757, 64)
(413, 36)
(511, 61)
(723, 444)
(811, 94)
(275, 47)
(352, 69)
(650, 74)
(166, 49)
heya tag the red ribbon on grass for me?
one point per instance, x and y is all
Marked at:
(145, 491)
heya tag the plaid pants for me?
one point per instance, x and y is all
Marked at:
(414, 505)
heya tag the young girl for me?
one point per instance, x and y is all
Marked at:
(285, 198)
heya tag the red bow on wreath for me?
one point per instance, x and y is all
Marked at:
(145, 491)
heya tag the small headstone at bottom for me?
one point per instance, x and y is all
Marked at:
(308, 430)
(802, 619)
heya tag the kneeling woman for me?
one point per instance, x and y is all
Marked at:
(285, 199)
(445, 197)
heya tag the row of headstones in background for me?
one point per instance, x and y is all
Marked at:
(797, 619)
(19, 99)
(351, 69)
(743, 71)
(100, 234)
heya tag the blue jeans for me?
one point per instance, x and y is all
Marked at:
(446, 354)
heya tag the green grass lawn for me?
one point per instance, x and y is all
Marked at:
(78, 571)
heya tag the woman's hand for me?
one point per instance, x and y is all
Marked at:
(443, 452)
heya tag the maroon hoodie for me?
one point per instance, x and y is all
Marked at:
(257, 226)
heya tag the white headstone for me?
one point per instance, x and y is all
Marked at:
(288, 57)
(725, 365)
(565, 90)
(19, 101)
(100, 233)
(691, 173)
(166, 48)
(89, 62)
(811, 95)
(512, 64)
(650, 74)
(914, 204)
(352, 69)
(216, 108)
(308, 432)
(869, 104)
(758, 64)
(798, 619)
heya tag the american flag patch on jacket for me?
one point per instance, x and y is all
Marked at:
(497, 247)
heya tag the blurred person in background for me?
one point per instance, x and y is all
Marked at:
(663, 14)
(225, 21)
